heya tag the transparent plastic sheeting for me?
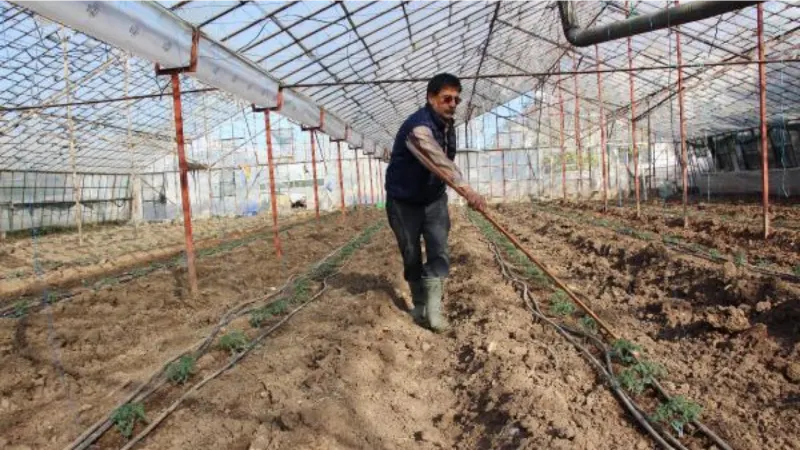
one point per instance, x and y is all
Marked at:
(150, 31)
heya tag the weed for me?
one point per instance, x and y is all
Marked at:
(50, 298)
(588, 324)
(560, 304)
(764, 263)
(234, 342)
(21, 309)
(635, 378)
(714, 253)
(676, 413)
(740, 259)
(179, 371)
(796, 270)
(625, 351)
(126, 416)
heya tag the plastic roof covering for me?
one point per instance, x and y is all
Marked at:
(313, 42)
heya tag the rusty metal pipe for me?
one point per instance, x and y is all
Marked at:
(762, 95)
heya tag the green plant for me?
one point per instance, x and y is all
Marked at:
(740, 259)
(560, 304)
(21, 309)
(179, 371)
(261, 315)
(676, 413)
(640, 375)
(763, 263)
(796, 270)
(588, 324)
(234, 342)
(625, 351)
(714, 253)
(671, 239)
(125, 417)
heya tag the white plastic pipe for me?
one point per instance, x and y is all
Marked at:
(152, 32)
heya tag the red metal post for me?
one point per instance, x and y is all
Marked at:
(682, 117)
(273, 198)
(561, 138)
(371, 186)
(358, 183)
(633, 130)
(314, 171)
(762, 94)
(341, 177)
(578, 129)
(184, 178)
(602, 129)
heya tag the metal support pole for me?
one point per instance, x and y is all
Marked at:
(578, 129)
(682, 118)
(371, 186)
(314, 172)
(358, 183)
(561, 138)
(602, 130)
(633, 131)
(273, 198)
(184, 179)
(341, 177)
(762, 93)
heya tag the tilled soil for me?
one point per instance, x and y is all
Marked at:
(729, 339)
(68, 364)
(354, 371)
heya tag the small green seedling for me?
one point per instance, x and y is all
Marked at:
(640, 375)
(179, 371)
(261, 315)
(560, 304)
(234, 342)
(677, 412)
(714, 253)
(740, 259)
(21, 309)
(671, 239)
(588, 324)
(625, 351)
(126, 416)
(763, 263)
(796, 270)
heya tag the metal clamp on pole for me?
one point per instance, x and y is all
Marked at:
(192, 67)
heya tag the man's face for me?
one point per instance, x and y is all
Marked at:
(445, 102)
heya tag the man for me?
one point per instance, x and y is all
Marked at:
(416, 202)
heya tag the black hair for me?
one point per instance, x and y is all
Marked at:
(442, 80)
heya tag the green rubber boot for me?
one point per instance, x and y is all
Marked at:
(418, 298)
(434, 287)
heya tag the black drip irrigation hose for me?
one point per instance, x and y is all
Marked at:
(323, 266)
(663, 438)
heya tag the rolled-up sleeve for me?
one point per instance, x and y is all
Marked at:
(423, 145)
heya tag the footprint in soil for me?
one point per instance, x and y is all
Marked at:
(359, 283)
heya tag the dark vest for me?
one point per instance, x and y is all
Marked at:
(407, 179)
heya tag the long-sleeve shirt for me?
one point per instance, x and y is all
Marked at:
(423, 146)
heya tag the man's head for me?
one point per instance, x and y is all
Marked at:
(443, 94)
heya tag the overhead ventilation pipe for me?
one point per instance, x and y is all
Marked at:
(670, 17)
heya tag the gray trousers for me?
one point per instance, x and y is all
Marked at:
(431, 222)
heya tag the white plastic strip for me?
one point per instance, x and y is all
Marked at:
(150, 31)
(300, 108)
(334, 126)
(356, 139)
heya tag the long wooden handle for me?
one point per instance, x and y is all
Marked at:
(462, 192)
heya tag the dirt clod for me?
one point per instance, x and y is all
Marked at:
(793, 372)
